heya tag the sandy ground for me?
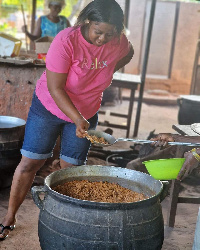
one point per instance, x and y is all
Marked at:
(158, 117)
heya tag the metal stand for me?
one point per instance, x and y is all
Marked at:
(195, 86)
(144, 68)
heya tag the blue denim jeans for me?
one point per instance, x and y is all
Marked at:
(42, 130)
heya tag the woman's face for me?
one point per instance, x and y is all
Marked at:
(55, 9)
(100, 33)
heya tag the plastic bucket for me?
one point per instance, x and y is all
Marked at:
(164, 169)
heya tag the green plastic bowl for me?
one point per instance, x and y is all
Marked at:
(164, 169)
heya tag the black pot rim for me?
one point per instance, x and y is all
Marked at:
(105, 205)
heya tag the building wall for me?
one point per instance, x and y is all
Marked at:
(185, 44)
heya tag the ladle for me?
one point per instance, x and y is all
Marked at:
(111, 140)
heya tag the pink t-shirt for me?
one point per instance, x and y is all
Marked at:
(90, 70)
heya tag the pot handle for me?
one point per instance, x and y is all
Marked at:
(179, 101)
(36, 191)
(165, 190)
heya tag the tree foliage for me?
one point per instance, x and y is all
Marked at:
(9, 8)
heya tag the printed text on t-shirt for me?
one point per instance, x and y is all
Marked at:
(94, 65)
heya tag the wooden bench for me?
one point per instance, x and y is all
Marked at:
(127, 81)
(175, 188)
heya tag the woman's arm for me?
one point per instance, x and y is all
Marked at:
(56, 84)
(125, 60)
(68, 23)
(192, 159)
(37, 32)
(162, 139)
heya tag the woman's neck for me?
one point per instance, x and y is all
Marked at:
(84, 31)
(53, 19)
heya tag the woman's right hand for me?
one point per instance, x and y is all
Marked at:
(190, 163)
(161, 140)
(24, 28)
(82, 125)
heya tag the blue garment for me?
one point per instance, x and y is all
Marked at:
(49, 28)
(42, 130)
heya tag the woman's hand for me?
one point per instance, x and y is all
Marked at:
(24, 28)
(161, 140)
(190, 163)
(82, 125)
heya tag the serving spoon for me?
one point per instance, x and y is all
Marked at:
(110, 140)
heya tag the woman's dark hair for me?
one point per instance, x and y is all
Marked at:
(103, 11)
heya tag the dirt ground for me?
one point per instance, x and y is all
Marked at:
(157, 117)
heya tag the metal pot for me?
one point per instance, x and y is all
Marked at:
(69, 223)
(11, 128)
(11, 137)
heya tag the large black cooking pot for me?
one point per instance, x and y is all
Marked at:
(189, 109)
(11, 137)
(11, 129)
(73, 224)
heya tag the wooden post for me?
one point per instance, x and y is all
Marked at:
(34, 5)
(196, 243)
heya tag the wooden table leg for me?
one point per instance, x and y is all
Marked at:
(174, 193)
(130, 110)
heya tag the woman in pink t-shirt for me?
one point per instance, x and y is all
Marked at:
(79, 67)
